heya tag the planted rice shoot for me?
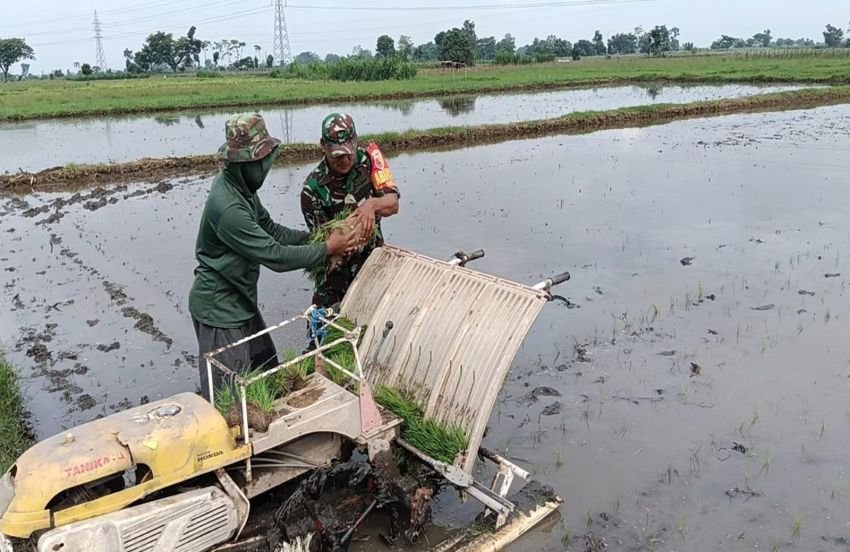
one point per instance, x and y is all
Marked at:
(438, 440)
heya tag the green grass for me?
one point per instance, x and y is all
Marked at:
(436, 439)
(33, 99)
(13, 434)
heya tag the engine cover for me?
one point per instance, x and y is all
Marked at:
(194, 521)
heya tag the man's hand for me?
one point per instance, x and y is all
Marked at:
(340, 242)
(365, 214)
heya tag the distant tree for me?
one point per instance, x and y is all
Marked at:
(332, 58)
(187, 51)
(439, 39)
(833, 36)
(599, 44)
(360, 52)
(85, 69)
(486, 48)
(25, 70)
(258, 50)
(385, 47)
(269, 60)
(674, 38)
(583, 48)
(405, 47)
(689, 47)
(13, 50)
(458, 46)
(246, 62)
(507, 45)
(426, 52)
(469, 29)
(623, 43)
(725, 42)
(659, 40)
(551, 46)
(158, 49)
(306, 57)
(763, 39)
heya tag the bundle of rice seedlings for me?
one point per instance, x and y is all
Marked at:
(438, 440)
(343, 222)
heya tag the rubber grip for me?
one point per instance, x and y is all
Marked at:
(477, 254)
(560, 278)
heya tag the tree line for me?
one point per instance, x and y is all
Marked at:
(161, 51)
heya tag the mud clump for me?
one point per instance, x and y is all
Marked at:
(107, 348)
(552, 410)
(145, 323)
(542, 391)
(116, 292)
(86, 402)
(258, 419)
(39, 353)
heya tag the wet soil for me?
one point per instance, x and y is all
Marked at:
(747, 453)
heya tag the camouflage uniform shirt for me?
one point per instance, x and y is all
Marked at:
(323, 197)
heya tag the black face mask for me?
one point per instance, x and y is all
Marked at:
(254, 173)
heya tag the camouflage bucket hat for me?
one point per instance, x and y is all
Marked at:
(339, 135)
(247, 138)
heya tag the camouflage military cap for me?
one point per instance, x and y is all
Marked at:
(339, 135)
(247, 138)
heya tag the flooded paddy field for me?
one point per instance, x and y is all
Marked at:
(689, 391)
(118, 139)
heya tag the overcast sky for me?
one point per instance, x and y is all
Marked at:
(61, 31)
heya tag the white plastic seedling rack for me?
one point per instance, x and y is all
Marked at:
(370, 417)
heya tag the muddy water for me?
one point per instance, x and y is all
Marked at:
(695, 404)
(35, 145)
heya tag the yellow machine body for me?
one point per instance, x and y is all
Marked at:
(175, 439)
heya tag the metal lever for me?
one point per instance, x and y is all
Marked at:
(547, 284)
(453, 474)
(461, 258)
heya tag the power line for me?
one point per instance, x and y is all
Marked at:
(100, 57)
(132, 34)
(456, 7)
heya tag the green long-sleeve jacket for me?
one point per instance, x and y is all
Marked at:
(236, 236)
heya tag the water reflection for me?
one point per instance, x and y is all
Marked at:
(198, 132)
(457, 105)
(654, 90)
(167, 120)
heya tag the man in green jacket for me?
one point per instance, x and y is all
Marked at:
(236, 236)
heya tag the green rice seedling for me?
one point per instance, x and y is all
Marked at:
(559, 459)
(796, 526)
(436, 439)
(262, 393)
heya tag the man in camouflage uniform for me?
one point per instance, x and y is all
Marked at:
(342, 182)
(235, 237)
